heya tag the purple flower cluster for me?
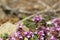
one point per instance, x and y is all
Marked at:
(41, 31)
(52, 38)
(18, 34)
(56, 22)
(55, 29)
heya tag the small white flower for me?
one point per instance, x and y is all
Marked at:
(36, 28)
(49, 22)
(28, 36)
(32, 35)
(48, 33)
(36, 32)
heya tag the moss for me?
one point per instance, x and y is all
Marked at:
(5, 35)
(28, 23)
(35, 37)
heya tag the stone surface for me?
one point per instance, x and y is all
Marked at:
(10, 28)
(7, 28)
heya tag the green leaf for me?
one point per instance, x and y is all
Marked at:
(35, 37)
(33, 26)
(27, 22)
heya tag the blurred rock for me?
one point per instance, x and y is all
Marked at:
(7, 28)
(10, 28)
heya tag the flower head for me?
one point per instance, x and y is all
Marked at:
(56, 22)
(58, 28)
(41, 38)
(52, 38)
(20, 25)
(20, 37)
(41, 33)
(17, 34)
(37, 18)
(29, 34)
(13, 38)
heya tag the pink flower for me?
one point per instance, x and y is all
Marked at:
(41, 33)
(17, 34)
(53, 29)
(20, 36)
(41, 38)
(20, 25)
(52, 38)
(12, 37)
(37, 18)
(47, 28)
(25, 33)
(56, 22)
(29, 34)
(58, 28)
